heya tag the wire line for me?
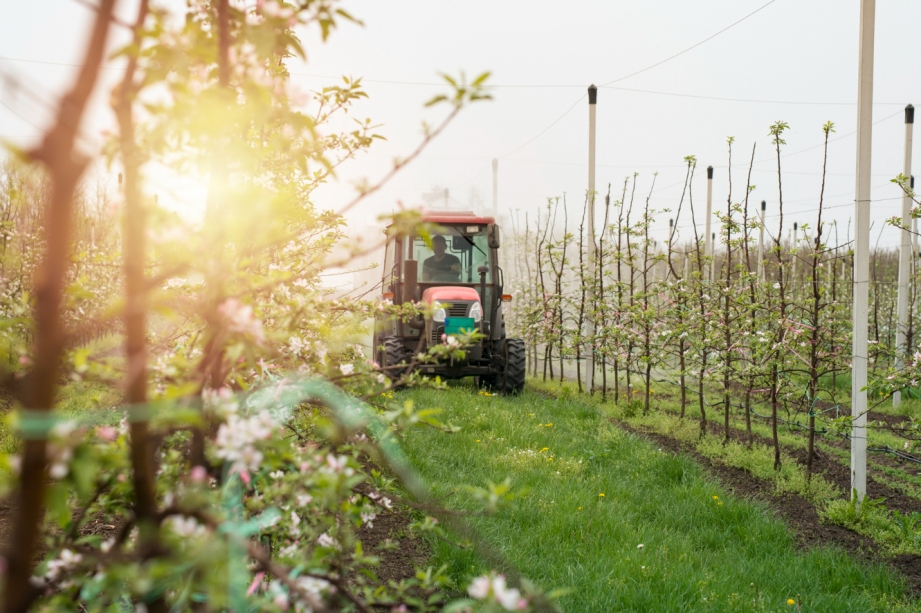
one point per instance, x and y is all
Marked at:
(694, 46)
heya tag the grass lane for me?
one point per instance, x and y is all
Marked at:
(598, 493)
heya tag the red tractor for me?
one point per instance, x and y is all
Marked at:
(460, 275)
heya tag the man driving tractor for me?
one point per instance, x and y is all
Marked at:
(442, 266)
(463, 283)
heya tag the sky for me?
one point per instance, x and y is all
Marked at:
(793, 60)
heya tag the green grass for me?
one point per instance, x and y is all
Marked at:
(75, 399)
(665, 400)
(699, 553)
(899, 533)
(830, 502)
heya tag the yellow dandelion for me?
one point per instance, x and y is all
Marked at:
(716, 498)
(791, 602)
(549, 459)
(601, 495)
(544, 449)
(478, 440)
(579, 509)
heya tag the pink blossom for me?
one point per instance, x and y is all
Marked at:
(107, 433)
(198, 474)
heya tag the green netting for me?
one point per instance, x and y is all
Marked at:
(280, 397)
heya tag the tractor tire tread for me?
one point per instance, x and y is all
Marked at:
(517, 358)
(395, 353)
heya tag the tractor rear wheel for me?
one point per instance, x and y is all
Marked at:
(517, 356)
(511, 369)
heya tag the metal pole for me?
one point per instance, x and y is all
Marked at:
(495, 187)
(708, 250)
(901, 351)
(761, 242)
(590, 242)
(861, 282)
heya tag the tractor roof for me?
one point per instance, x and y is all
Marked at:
(455, 217)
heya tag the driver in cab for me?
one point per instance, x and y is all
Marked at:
(442, 266)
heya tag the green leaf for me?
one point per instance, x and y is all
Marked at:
(83, 468)
(58, 509)
(436, 100)
(481, 79)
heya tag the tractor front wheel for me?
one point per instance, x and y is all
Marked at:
(395, 355)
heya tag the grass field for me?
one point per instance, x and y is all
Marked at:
(620, 524)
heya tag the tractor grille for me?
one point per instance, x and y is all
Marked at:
(454, 309)
(457, 310)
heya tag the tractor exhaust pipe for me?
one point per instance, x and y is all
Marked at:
(410, 287)
(410, 283)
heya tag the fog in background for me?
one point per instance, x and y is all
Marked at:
(794, 60)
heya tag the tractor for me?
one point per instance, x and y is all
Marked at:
(456, 272)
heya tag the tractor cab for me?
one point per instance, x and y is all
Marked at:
(459, 272)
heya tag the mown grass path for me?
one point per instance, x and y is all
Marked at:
(597, 493)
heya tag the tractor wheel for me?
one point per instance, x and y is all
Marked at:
(510, 379)
(394, 355)
(514, 380)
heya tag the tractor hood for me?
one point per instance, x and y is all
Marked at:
(449, 293)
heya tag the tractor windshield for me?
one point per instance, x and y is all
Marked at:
(454, 256)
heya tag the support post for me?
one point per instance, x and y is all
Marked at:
(859, 358)
(495, 187)
(590, 241)
(901, 350)
(708, 248)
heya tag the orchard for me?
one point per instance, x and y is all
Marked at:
(194, 420)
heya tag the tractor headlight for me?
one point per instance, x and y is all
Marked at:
(476, 312)
(439, 315)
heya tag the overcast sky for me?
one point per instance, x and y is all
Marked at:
(794, 60)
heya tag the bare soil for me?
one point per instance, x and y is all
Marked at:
(400, 563)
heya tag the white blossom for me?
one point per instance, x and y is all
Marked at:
(66, 559)
(325, 540)
(185, 527)
(239, 318)
(236, 440)
(495, 588)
